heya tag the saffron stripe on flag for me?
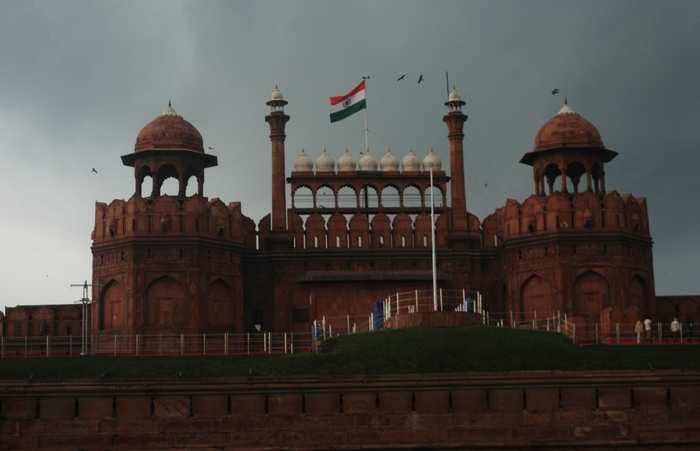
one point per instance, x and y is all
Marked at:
(339, 99)
(342, 114)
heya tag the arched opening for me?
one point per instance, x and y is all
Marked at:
(535, 296)
(191, 186)
(165, 305)
(574, 171)
(347, 197)
(369, 197)
(433, 194)
(112, 306)
(551, 173)
(168, 180)
(597, 175)
(391, 197)
(144, 182)
(590, 296)
(325, 197)
(412, 197)
(303, 197)
(219, 305)
(146, 185)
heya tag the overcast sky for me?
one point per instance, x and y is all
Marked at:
(79, 79)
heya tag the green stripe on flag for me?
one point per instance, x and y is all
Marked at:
(342, 114)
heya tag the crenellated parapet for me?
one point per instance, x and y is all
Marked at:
(565, 213)
(361, 231)
(170, 216)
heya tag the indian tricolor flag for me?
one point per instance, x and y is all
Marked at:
(349, 104)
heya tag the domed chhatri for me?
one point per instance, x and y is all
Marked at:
(389, 162)
(410, 162)
(303, 163)
(368, 162)
(346, 163)
(567, 129)
(432, 160)
(169, 131)
(325, 163)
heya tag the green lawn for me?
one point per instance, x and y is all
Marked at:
(385, 352)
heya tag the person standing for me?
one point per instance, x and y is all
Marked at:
(647, 328)
(638, 329)
(676, 330)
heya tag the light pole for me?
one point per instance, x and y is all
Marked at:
(85, 301)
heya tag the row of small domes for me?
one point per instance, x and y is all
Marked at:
(367, 162)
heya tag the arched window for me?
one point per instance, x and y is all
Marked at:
(412, 197)
(325, 197)
(434, 193)
(390, 197)
(303, 198)
(347, 197)
(369, 197)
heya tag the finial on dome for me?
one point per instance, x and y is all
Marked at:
(565, 108)
(170, 111)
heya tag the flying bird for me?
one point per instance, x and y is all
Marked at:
(420, 78)
(94, 171)
(210, 147)
(401, 77)
(555, 91)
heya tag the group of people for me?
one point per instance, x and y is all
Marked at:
(643, 329)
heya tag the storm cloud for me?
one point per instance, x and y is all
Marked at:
(79, 79)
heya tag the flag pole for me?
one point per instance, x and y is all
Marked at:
(432, 231)
(366, 130)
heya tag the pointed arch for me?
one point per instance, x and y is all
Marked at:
(220, 302)
(591, 296)
(165, 305)
(112, 306)
(535, 296)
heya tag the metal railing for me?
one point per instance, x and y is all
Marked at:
(174, 345)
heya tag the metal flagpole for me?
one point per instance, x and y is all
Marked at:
(432, 231)
(365, 78)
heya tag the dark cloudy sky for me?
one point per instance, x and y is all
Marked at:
(79, 79)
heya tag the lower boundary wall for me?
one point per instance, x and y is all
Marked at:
(655, 410)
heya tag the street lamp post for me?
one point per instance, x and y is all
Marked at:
(85, 301)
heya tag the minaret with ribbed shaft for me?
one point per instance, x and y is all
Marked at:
(277, 120)
(455, 120)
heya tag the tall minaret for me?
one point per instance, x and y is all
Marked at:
(455, 120)
(277, 120)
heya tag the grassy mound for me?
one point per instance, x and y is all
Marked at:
(386, 352)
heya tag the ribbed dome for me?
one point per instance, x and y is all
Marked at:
(389, 162)
(325, 163)
(432, 160)
(303, 163)
(410, 162)
(346, 163)
(368, 162)
(169, 131)
(567, 129)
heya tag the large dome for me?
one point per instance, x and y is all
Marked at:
(567, 130)
(169, 131)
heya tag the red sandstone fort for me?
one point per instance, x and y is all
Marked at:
(355, 230)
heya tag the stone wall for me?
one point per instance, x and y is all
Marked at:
(600, 410)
